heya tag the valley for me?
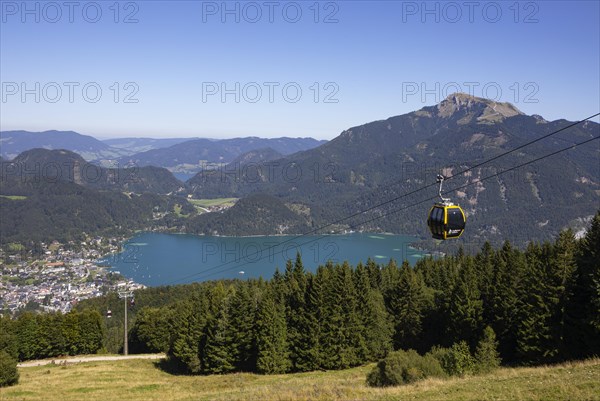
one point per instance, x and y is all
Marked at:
(322, 183)
(304, 201)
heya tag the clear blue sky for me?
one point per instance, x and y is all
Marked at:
(374, 58)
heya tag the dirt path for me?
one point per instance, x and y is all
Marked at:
(79, 359)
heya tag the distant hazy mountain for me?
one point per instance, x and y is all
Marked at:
(51, 166)
(256, 156)
(178, 154)
(381, 160)
(137, 145)
(198, 153)
(14, 142)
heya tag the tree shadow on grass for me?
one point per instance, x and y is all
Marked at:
(171, 366)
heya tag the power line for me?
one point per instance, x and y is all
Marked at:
(217, 268)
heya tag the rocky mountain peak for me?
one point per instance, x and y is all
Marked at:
(467, 107)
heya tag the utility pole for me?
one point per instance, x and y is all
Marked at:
(125, 294)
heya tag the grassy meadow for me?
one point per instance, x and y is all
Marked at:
(143, 380)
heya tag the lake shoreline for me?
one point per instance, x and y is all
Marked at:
(155, 259)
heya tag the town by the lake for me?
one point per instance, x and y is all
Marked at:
(56, 276)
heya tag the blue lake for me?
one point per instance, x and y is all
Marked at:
(183, 177)
(163, 259)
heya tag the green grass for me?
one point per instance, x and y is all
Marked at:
(177, 210)
(13, 197)
(142, 380)
(203, 204)
(213, 202)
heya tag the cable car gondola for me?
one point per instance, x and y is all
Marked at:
(446, 220)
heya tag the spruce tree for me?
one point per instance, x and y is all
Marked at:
(389, 277)
(72, 333)
(271, 335)
(243, 309)
(562, 272)
(187, 324)
(583, 309)
(51, 340)
(296, 314)
(152, 328)
(438, 282)
(331, 334)
(374, 274)
(375, 324)
(405, 301)
(487, 357)
(501, 310)
(484, 266)
(90, 332)
(534, 332)
(309, 356)
(466, 306)
(339, 336)
(363, 290)
(549, 284)
(219, 350)
(352, 333)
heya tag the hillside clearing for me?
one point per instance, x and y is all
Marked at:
(142, 379)
(213, 202)
(211, 205)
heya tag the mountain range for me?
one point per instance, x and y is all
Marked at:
(199, 154)
(138, 145)
(12, 143)
(383, 160)
(374, 164)
(176, 154)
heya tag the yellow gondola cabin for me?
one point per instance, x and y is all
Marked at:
(446, 220)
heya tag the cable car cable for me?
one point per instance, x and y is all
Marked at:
(315, 230)
(522, 146)
(487, 177)
(202, 274)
